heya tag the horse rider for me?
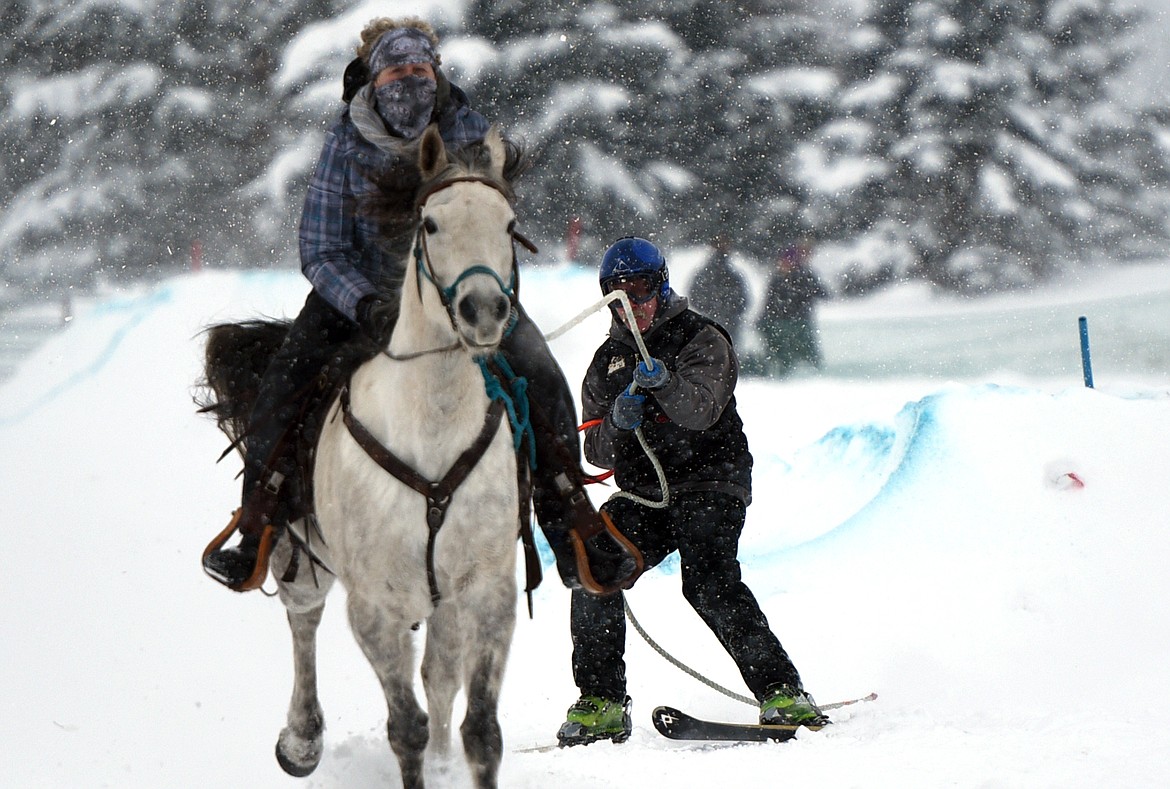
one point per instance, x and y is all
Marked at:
(683, 400)
(394, 89)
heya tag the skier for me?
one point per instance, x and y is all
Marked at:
(392, 90)
(685, 405)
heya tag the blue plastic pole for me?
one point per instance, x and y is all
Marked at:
(1086, 362)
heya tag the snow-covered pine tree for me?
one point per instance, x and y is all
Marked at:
(129, 129)
(975, 121)
(758, 83)
(670, 119)
(569, 81)
(1120, 147)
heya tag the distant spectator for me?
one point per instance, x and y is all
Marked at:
(787, 323)
(719, 292)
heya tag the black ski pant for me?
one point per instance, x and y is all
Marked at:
(324, 347)
(704, 528)
(321, 346)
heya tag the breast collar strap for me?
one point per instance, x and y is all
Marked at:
(438, 494)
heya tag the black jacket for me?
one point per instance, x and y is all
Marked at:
(720, 293)
(791, 296)
(691, 424)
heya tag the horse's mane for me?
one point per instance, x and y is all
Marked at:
(398, 188)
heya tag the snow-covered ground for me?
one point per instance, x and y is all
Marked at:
(960, 526)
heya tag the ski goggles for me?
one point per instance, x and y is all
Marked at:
(640, 290)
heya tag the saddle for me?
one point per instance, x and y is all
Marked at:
(288, 498)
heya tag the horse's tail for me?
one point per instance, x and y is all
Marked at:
(235, 358)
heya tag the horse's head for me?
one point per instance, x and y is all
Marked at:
(466, 231)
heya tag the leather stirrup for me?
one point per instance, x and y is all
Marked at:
(585, 573)
(260, 571)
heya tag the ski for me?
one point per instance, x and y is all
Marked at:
(542, 748)
(678, 725)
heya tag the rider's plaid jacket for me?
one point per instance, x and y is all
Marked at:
(340, 253)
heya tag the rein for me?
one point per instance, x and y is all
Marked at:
(407, 357)
(437, 493)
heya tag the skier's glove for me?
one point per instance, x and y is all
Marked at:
(376, 317)
(654, 377)
(627, 410)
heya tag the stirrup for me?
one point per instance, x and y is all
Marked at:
(260, 571)
(585, 573)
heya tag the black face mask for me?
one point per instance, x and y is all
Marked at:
(406, 105)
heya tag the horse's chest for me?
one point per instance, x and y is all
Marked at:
(378, 525)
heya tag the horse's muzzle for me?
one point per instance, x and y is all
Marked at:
(483, 316)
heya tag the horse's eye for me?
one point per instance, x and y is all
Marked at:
(430, 226)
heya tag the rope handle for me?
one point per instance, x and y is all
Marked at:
(627, 310)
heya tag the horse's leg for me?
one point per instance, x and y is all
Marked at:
(486, 650)
(441, 667)
(386, 642)
(298, 750)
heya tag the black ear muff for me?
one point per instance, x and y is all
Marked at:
(357, 73)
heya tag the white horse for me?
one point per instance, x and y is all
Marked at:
(405, 557)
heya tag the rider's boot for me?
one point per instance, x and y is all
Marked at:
(591, 553)
(244, 566)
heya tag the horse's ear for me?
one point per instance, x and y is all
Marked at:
(432, 153)
(494, 141)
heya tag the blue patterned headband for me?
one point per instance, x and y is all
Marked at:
(401, 46)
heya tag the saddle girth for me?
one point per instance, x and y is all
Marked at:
(438, 494)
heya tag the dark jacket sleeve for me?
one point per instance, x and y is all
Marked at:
(701, 383)
(600, 439)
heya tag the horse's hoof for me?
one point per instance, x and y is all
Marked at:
(297, 757)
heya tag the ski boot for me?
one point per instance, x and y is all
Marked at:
(784, 704)
(594, 718)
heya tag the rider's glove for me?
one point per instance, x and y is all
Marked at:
(376, 317)
(654, 377)
(627, 410)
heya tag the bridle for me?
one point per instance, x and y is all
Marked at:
(425, 269)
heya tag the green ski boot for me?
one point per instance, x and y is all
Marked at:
(594, 718)
(784, 704)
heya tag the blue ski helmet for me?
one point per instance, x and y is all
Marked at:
(635, 258)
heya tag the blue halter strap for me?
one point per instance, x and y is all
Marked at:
(448, 293)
